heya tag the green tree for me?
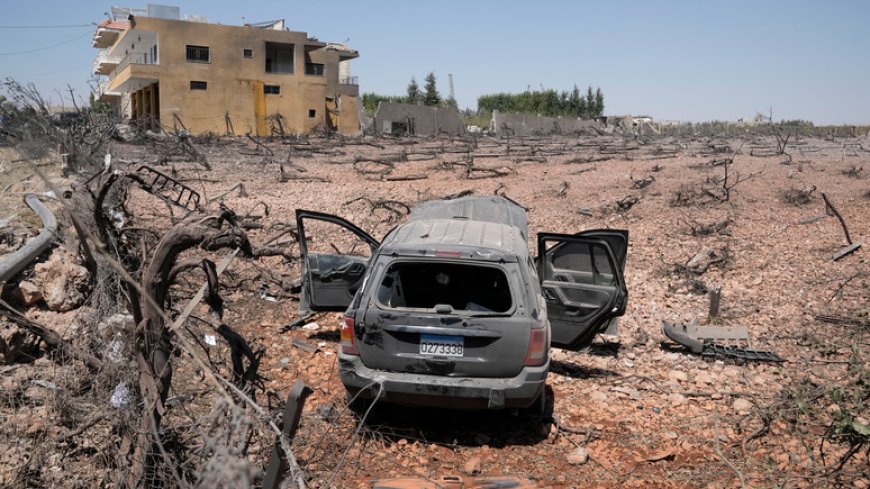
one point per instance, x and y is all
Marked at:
(591, 105)
(414, 95)
(574, 102)
(431, 97)
(371, 101)
(599, 101)
(98, 106)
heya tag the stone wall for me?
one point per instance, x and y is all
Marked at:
(531, 125)
(417, 120)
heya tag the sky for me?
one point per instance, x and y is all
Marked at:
(672, 60)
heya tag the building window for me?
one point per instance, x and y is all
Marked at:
(197, 54)
(248, 53)
(198, 85)
(314, 69)
(279, 58)
(312, 113)
(271, 89)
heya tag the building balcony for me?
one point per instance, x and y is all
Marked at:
(103, 91)
(135, 71)
(108, 32)
(104, 37)
(348, 85)
(104, 64)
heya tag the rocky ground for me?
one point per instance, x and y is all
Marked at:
(632, 410)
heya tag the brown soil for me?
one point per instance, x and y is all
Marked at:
(626, 399)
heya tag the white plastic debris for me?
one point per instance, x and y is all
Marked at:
(44, 383)
(116, 349)
(120, 396)
(312, 326)
(266, 296)
(210, 340)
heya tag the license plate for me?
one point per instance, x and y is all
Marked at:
(440, 345)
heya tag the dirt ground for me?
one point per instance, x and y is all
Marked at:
(648, 414)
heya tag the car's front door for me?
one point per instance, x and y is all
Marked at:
(582, 282)
(330, 280)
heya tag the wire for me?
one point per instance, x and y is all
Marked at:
(46, 47)
(43, 26)
(77, 68)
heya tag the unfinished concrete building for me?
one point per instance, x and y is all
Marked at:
(416, 120)
(256, 79)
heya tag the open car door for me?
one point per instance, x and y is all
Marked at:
(582, 281)
(330, 280)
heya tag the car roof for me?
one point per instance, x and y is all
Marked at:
(494, 209)
(466, 224)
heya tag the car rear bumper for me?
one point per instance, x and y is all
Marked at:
(442, 391)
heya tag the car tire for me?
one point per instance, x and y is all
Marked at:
(538, 407)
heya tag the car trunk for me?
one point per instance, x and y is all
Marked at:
(445, 318)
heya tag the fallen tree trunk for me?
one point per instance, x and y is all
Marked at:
(153, 348)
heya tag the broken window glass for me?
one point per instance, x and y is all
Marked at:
(423, 285)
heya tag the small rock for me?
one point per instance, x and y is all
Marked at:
(742, 405)
(632, 394)
(598, 396)
(678, 375)
(472, 467)
(579, 456)
(30, 293)
(703, 378)
(661, 455)
(861, 483)
(64, 282)
(676, 399)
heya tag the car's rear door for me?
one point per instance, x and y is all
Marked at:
(582, 281)
(330, 280)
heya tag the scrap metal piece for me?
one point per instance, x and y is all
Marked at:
(17, 261)
(166, 188)
(713, 349)
(278, 463)
(713, 341)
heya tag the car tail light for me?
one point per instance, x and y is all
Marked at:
(348, 341)
(537, 353)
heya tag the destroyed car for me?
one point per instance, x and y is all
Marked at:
(452, 310)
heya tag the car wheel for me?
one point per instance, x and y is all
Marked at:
(538, 408)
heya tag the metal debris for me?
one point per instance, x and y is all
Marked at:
(717, 341)
(166, 188)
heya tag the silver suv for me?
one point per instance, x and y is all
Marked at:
(451, 310)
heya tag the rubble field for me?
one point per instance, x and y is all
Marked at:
(634, 410)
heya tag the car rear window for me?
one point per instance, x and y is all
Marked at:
(423, 285)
